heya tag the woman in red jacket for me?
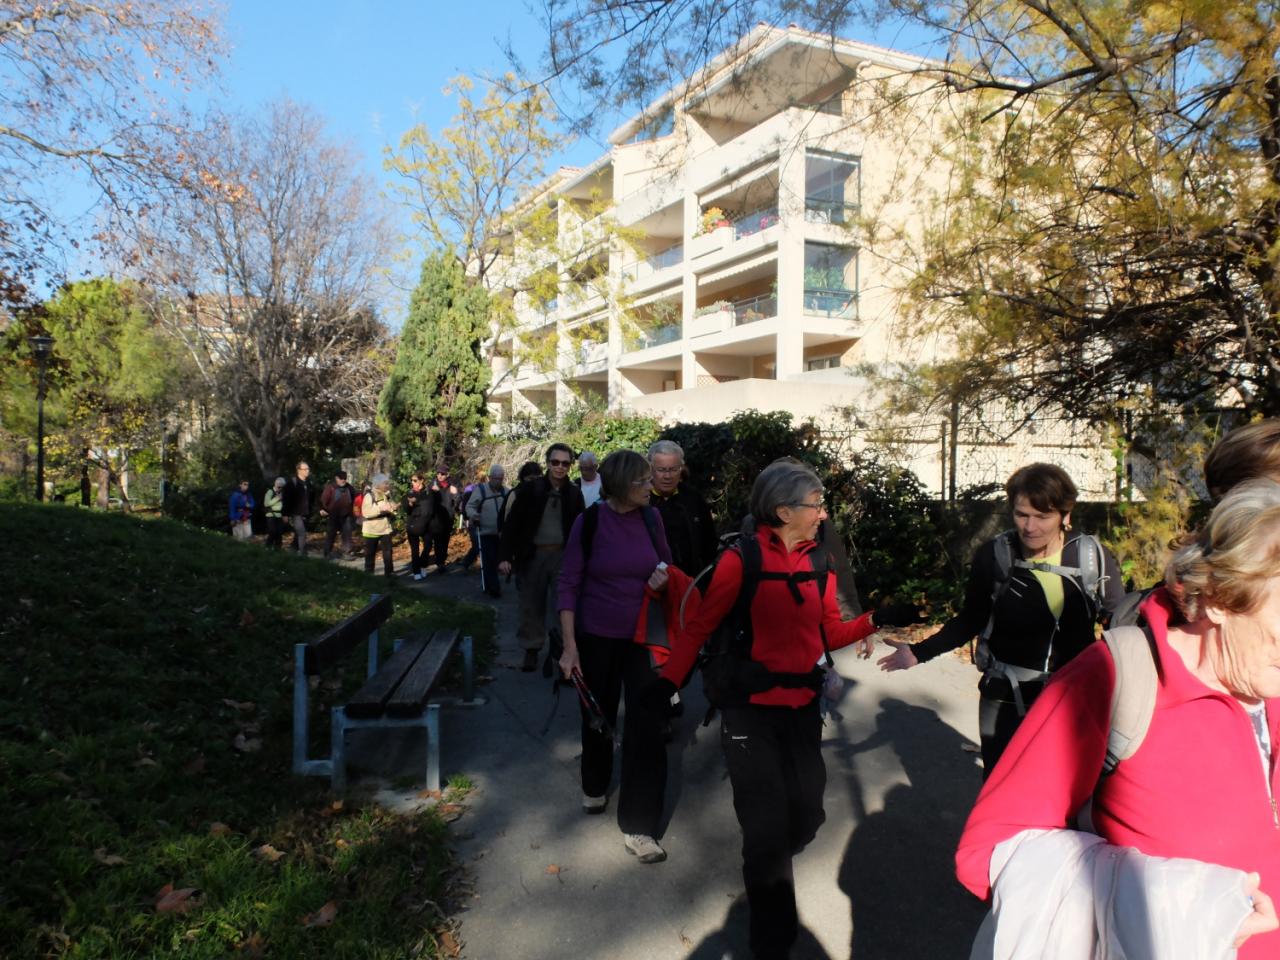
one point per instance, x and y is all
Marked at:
(772, 739)
(1202, 784)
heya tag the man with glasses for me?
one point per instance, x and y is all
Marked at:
(589, 480)
(534, 532)
(686, 518)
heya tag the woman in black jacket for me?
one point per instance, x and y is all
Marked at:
(417, 506)
(1032, 601)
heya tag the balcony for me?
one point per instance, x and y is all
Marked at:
(837, 212)
(651, 266)
(659, 336)
(756, 221)
(724, 315)
(832, 304)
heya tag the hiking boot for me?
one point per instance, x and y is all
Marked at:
(644, 847)
(592, 804)
(530, 663)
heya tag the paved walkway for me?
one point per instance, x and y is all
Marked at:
(551, 882)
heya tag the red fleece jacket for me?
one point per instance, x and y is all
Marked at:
(1194, 789)
(785, 635)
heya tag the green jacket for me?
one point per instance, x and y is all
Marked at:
(273, 504)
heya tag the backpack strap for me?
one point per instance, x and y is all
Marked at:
(1133, 701)
(752, 560)
(1003, 547)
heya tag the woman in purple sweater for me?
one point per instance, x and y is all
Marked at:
(602, 590)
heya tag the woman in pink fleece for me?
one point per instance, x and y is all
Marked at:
(1203, 783)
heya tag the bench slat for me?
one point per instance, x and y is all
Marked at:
(411, 695)
(371, 699)
(338, 641)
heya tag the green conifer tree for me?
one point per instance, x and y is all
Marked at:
(435, 396)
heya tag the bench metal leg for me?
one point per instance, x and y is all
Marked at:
(433, 746)
(338, 751)
(468, 670)
(300, 692)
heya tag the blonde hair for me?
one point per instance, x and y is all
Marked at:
(1228, 561)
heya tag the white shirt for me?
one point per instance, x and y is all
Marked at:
(590, 491)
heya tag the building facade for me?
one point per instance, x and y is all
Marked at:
(730, 271)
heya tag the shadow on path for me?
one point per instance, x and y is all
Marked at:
(730, 941)
(898, 868)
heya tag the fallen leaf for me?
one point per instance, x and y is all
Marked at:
(243, 706)
(449, 944)
(246, 745)
(252, 946)
(268, 853)
(144, 762)
(322, 917)
(169, 900)
(429, 794)
(341, 844)
(552, 869)
(449, 812)
(108, 859)
(219, 829)
(247, 619)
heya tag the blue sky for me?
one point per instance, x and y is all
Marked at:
(374, 68)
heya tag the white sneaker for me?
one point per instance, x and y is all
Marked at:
(419, 576)
(592, 804)
(643, 847)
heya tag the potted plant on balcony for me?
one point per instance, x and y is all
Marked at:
(713, 218)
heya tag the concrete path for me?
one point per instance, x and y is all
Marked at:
(551, 882)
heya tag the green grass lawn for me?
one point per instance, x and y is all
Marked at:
(138, 658)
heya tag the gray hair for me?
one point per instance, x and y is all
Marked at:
(586, 456)
(497, 471)
(665, 448)
(280, 482)
(380, 481)
(782, 483)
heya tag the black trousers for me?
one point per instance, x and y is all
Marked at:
(610, 666)
(489, 579)
(275, 532)
(371, 545)
(440, 546)
(332, 527)
(778, 777)
(998, 718)
(415, 548)
(474, 552)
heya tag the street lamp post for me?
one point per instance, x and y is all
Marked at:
(41, 347)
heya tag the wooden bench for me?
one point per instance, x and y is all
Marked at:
(396, 694)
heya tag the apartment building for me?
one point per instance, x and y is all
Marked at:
(729, 271)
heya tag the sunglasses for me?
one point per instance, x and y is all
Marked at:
(559, 463)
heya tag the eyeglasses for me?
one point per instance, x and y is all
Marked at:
(559, 463)
(643, 481)
(820, 506)
(666, 469)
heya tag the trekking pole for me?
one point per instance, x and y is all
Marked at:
(596, 720)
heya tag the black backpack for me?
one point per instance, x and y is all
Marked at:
(729, 675)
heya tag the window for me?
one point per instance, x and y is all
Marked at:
(830, 280)
(823, 363)
(831, 187)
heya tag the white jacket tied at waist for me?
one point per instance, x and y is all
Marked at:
(1066, 895)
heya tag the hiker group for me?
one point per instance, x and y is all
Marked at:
(1139, 769)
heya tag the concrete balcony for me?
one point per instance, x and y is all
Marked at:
(790, 128)
(803, 397)
(662, 267)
